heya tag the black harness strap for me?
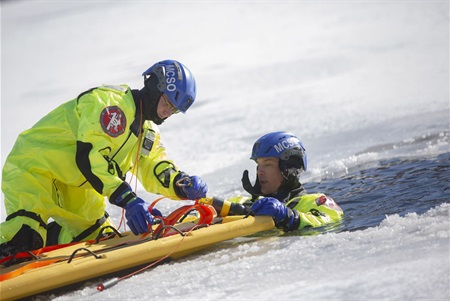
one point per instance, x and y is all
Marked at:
(28, 214)
(91, 229)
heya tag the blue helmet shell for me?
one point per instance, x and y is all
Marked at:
(284, 146)
(176, 81)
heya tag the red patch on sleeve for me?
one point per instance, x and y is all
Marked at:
(113, 121)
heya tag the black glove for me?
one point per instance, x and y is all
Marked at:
(254, 190)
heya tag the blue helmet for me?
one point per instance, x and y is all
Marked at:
(176, 81)
(284, 146)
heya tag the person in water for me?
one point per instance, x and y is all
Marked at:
(277, 192)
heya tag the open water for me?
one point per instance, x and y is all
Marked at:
(396, 186)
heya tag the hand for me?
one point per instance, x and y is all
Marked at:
(285, 218)
(156, 212)
(194, 187)
(271, 207)
(138, 216)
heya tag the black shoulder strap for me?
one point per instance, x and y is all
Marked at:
(28, 214)
(91, 229)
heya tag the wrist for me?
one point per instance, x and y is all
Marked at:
(122, 196)
(179, 191)
(290, 222)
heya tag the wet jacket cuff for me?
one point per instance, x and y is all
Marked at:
(290, 222)
(122, 195)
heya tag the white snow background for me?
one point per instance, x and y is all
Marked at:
(344, 76)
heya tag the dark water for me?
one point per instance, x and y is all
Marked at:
(396, 186)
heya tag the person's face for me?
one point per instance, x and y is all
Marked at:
(165, 108)
(269, 174)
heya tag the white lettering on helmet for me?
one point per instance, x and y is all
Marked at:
(170, 78)
(278, 147)
(283, 145)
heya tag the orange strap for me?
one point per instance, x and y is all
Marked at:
(150, 208)
(207, 214)
(32, 265)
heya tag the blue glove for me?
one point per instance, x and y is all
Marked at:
(156, 212)
(284, 217)
(271, 207)
(194, 187)
(138, 216)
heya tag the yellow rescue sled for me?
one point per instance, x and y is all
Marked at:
(82, 261)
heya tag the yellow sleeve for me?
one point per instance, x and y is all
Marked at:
(316, 210)
(238, 199)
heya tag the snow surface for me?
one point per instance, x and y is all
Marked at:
(347, 77)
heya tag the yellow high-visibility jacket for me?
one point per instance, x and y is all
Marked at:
(78, 154)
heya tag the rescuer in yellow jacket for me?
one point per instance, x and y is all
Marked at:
(78, 154)
(280, 158)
